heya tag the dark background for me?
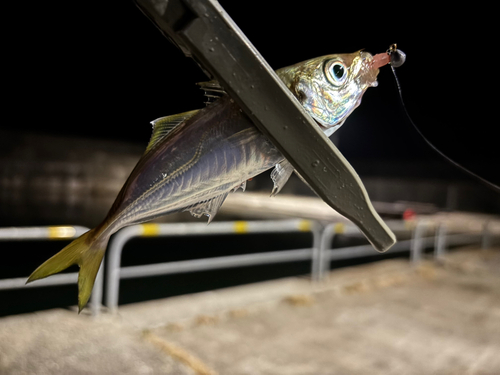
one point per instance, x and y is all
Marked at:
(102, 70)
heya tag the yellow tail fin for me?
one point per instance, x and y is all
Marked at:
(87, 251)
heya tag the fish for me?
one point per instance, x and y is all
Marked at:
(195, 159)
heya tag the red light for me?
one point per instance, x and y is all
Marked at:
(409, 214)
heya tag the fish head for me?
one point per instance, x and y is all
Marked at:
(331, 87)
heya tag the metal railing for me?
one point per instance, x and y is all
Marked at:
(51, 233)
(320, 254)
(115, 272)
(441, 240)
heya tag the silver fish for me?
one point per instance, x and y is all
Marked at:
(195, 159)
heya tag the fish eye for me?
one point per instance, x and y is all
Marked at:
(336, 72)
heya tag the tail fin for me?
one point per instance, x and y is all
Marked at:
(87, 251)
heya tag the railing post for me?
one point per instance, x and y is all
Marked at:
(114, 259)
(327, 237)
(440, 242)
(317, 251)
(417, 243)
(96, 297)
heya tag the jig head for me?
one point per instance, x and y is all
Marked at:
(396, 56)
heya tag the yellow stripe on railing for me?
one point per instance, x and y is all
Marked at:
(339, 228)
(305, 226)
(150, 230)
(61, 232)
(240, 227)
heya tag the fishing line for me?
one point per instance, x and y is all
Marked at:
(399, 58)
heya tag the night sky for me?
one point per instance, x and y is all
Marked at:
(104, 71)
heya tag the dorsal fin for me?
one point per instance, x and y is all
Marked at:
(164, 125)
(212, 90)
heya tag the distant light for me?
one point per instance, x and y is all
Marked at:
(61, 232)
(409, 214)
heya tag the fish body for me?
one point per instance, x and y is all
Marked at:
(195, 159)
(202, 159)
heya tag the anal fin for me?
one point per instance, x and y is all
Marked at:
(241, 186)
(208, 208)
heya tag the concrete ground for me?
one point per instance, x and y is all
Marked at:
(381, 318)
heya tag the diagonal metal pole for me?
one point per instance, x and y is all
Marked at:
(205, 32)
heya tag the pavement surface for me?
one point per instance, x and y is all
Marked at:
(381, 318)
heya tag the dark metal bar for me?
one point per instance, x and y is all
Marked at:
(204, 31)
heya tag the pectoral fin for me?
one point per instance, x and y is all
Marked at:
(164, 125)
(280, 175)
